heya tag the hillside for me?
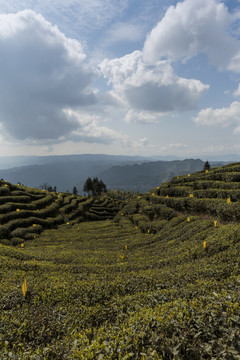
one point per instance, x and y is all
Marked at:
(26, 212)
(159, 280)
(64, 172)
(142, 177)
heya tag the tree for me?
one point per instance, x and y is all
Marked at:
(75, 190)
(94, 186)
(207, 166)
(88, 186)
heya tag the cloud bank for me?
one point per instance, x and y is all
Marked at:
(145, 88)
(193, 27)
(223, 117)
(42, 73)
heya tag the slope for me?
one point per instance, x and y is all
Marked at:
(158, 281)
(142, 177)
(26, 212)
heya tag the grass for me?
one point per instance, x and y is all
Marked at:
(103, 290)
(153, 282)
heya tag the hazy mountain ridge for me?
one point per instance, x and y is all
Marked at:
(130, 173)
(148, 175)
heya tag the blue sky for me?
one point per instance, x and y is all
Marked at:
(120, 77)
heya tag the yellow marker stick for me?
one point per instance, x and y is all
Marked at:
(188, 219)
(24, 287)
(204, 245)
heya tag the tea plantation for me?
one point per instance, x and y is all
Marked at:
(153, 277)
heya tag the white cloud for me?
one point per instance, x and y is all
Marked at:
(237, 92)
(192, 27)
(150, 88)
(220, 117)
(90, 130)
(144, 117)
(42, 72)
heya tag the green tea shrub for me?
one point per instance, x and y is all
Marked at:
(4, 191)
(17, 199)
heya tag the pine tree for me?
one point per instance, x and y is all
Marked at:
(207, 166)
(88, 186)
(75, 190)
(94, 186)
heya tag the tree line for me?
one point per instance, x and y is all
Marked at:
(94, 187)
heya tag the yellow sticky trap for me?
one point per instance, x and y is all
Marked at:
(177, 177)
(22, 245)
(6, 185)
(122, 214)
(215, 223)
(17, 209)
(34, 225)
(24, 287)
(191, 195)
(136, 227)
(148, 231)
(204, 245)
(153, 194)
(68, 223)
(228, 200)
(188, 219)
(126, 247)
(167, 196)
(206, 171)
(139, 197)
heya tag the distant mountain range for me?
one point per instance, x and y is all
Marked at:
(130, 173)
(143, 177)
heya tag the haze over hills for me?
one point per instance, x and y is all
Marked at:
(142, 177)
(62, 171)
(129, 173)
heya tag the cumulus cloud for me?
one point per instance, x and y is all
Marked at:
(42, 72)
(224, 117)
(237, 92)
(150, 88)
(192, 27)
(90, 130)
(144, 117)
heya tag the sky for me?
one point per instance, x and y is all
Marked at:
(129, 77)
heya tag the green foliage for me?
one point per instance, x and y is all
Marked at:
(159, 281)
(94, 186)
(96, 290)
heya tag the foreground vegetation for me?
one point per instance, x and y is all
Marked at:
(160, 280)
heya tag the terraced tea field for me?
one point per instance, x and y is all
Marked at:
(160, 280)
(26, 212)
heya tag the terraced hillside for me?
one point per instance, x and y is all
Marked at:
(26, 212)
(212, 195)
(159, 281)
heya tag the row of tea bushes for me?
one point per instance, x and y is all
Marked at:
(25, 212)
